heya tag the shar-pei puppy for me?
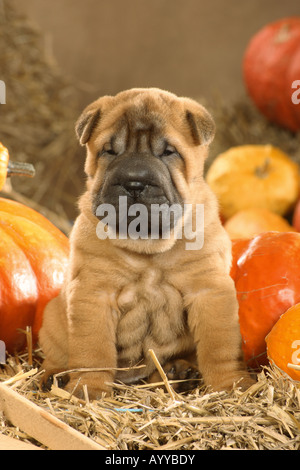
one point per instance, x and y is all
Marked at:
(149, 262)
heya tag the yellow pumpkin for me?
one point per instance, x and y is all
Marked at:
(250, 222)
(248, 176)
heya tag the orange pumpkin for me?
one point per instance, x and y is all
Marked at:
(271, 65)
(283, 342)
(250, 222)
(267, 278)
(33, 259)
(254, 176)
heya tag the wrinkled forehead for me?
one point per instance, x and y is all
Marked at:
(140, 117)
(142, 111)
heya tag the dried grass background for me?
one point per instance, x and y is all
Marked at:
(37, 123)
(240, 123)
(37, 126)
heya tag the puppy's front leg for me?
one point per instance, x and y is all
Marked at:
(213, 320)
(92, 344)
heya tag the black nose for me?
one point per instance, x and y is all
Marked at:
(134, 185)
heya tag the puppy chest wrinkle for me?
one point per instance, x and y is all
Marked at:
(151, 316)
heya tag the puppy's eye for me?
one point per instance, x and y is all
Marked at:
(110, 152)
(169, 150)
(107, 150)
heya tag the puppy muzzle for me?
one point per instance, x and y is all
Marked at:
(137, 180)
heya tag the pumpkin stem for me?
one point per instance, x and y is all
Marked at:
(21, 169)
(263, 170)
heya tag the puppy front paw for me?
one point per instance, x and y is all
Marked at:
(48, 379)
(185, 375)
(226, 382)
(97, 383)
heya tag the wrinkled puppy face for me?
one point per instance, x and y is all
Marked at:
(137, 171)
(145, 148)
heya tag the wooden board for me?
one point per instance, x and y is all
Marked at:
(41, 425)
(9, 443)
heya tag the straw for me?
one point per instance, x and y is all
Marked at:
(266, 417)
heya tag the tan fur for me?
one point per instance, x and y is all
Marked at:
(123, 297)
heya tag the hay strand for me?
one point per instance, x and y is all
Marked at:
(162, 374)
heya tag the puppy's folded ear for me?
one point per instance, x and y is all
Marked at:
(201, 124)
(86, 124)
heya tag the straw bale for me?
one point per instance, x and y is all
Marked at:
(240, 123)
